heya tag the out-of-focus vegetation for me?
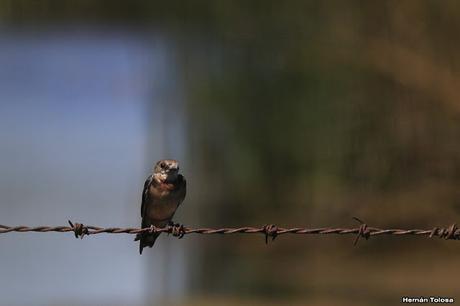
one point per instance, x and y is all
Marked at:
(309, 113)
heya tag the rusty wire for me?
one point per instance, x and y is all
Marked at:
(363, 231)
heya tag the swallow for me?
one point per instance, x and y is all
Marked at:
(164, 190)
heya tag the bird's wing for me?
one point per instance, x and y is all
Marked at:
(182, 189)
(144, 196)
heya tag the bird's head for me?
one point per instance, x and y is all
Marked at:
(166, 170)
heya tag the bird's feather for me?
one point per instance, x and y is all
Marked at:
(151, 198)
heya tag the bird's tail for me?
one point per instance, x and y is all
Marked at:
(146, 240)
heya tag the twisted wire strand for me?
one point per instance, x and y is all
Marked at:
(270, 230)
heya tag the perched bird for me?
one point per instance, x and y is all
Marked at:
(164, 190)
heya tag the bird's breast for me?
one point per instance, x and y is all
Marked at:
(162, 204)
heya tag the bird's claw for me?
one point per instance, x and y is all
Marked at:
(152, 229)
(176, 229)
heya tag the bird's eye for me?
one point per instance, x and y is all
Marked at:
(163, 165)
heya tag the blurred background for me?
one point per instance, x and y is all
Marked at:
(297, 113)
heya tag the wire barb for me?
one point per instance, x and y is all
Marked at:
(363, 231)
(451, 232)
(79, 229)
(270, 230)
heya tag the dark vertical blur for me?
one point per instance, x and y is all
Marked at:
(302, 113)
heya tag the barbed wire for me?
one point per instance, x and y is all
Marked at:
(270, 231)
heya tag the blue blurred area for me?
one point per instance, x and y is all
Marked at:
(75, 110)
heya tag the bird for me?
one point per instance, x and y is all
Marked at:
(164, 190)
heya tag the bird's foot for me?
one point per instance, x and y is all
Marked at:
(176, 229)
